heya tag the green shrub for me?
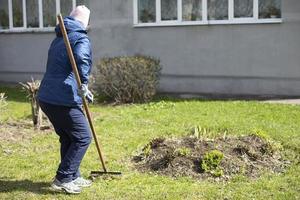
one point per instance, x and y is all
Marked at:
(128, 79)
(211, 162)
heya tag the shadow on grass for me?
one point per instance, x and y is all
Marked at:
(219, 97)
(176, 98)
(15, 93)
(7, 186)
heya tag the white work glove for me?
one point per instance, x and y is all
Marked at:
(84, 92)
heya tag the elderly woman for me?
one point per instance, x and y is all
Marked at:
(61, 99)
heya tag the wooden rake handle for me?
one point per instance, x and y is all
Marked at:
(75, 70)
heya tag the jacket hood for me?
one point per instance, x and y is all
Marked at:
(71, 25)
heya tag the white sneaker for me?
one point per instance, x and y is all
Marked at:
(81, 182)
(69, 187)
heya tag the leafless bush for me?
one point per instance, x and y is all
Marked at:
(128, 79)
(3, 102)
(31, 89)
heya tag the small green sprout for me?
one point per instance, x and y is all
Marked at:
(147, 150)
(182, 152)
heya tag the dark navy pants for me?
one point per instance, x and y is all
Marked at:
(74, 136)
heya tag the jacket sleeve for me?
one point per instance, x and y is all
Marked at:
(83, 57)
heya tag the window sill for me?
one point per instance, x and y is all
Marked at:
(211, 22)
(29, 30)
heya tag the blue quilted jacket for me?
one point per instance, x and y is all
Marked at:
(59, 85)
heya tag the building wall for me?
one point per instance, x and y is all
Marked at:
(225, 59)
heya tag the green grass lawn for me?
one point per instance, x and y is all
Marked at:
(27, 166)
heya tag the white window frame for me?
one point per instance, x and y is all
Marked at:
(24, 28)
(179, 22)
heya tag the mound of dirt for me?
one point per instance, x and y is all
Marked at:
(247, 155)
(20, 130)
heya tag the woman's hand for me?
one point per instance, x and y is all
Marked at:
(84, 92)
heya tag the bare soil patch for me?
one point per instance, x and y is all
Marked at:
(177, 157)
(20, 130)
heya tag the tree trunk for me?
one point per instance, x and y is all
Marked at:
(37, 114)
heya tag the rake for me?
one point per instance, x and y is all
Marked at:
(85, 105)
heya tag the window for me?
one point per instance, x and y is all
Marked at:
(32, 10)
(82, 2)
(49, 13)
(269, 9)
(4, 21)
(243, 8)
(18, 13)
(66, 6)
(30, 15)
(192, 10)
(217, 9)
(146, 11)
(197, 12)
(168, 10)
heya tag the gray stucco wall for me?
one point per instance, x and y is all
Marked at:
(225, 59)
